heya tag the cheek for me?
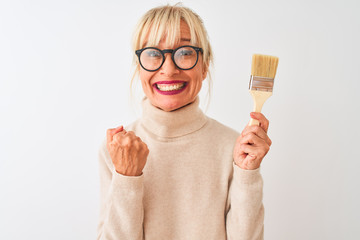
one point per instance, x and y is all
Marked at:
(196, 79)
(145, 78)
(199, 77)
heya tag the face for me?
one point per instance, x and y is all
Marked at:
(170, 88)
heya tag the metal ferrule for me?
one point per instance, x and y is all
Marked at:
(261, 83)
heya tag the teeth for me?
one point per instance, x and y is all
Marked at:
(167, 87)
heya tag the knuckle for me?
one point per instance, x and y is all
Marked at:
(261, 153)
(131, 133)
(117, 137)
(136, 145)
(267, 149)
(147, 151)
(110, 146)
(264, 151)
(242, 146)
(257, 129)
(126, 142)
(144, 147)
(250, 135)
(254, 129)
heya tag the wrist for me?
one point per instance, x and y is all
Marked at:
(129, 174)
(244, 167)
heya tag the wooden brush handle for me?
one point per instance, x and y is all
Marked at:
(259, 99)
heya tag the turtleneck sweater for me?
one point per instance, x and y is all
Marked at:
(190, 188)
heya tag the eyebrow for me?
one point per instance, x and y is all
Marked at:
(185, 40)
(181, 40)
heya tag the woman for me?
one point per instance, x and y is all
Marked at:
(176, 173)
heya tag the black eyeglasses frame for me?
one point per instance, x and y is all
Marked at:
(172, 51)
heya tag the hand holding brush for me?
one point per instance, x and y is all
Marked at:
(254, 143)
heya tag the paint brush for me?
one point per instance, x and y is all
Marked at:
(263, 71)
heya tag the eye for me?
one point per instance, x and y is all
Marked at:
(185, 52)
(153, 53)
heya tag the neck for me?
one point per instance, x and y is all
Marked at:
(176, 123)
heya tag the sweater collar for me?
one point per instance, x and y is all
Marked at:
(180, 122)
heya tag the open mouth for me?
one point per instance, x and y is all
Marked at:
(170, 87)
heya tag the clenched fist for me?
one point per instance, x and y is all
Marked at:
(128, 153)
(253, 144)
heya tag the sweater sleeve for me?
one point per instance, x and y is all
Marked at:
(245, 216)
(121, 202)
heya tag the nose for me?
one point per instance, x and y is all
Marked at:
(168, 68)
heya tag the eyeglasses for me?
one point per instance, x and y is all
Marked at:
(185, 57)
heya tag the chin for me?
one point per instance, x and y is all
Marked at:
(170, 105)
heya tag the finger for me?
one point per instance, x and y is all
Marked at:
(246, 150)
(259, 131)
(263, 121)
(131, 133)
(252, 138)
(257, 152)
(261, 146)
(111, 132)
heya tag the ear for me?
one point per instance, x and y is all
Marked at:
(204, 73)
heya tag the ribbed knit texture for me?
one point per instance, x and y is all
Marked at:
(190, 188)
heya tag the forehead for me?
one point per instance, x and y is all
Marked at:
(184, 30)
(168, 35)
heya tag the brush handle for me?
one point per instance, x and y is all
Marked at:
(259, 98)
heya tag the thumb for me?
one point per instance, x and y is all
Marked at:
(112, 131)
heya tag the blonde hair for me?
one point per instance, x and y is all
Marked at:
(164, 21)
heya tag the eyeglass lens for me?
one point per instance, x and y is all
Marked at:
(185, 58)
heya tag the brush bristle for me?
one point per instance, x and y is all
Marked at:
(264, 66)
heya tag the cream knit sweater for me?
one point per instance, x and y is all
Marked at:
(190, 188)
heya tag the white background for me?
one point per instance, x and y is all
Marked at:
(65, 69)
